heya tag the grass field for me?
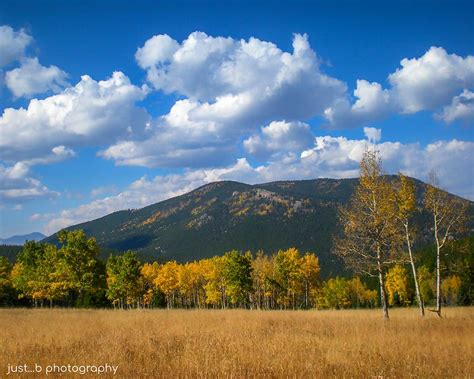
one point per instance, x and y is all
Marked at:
(238, 343)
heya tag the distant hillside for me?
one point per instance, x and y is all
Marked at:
(10, 251)
(229, 215)
(21, 239)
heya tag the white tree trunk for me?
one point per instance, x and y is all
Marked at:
(421, 305)
(438, 270)
(383, 297)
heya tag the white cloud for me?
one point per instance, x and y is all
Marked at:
(335, 157)
(374, 135)
(57, 154)
(16, 185)
(461, 108)
(373, 102)
(212, 69)
(432, 80)
(232, 88)
(104, 190)
(33, 78)
(12, 44)
(36, 217)
(91, 113)
(425, 83)
(279, 138)
(158, 49)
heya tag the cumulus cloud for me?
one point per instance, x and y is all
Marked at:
(12, 44)
(373, 102)
(104, 190)
(90, 113)
(336, 157)
(461, 108)
(425, 83)
(279, 138)
(17, 184)
(232, 87)
(157, 49)
(212, 69)
(231, 95)
(373, 134)
(32, 78)
(432, 80)
(57, 154)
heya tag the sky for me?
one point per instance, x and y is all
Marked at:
(115, 105)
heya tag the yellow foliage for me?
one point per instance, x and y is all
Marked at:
(396, 284)
(450, 288)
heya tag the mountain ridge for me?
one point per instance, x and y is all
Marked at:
(20, 239)
(225, 215)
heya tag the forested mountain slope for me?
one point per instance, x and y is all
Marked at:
(227, 215)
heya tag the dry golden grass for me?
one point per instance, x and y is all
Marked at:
(239, 343)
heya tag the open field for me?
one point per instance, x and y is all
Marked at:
(239, 343)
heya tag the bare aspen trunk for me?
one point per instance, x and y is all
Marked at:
(421, 305)
(438, 270)
(383, 297)
(438, 281)
(306, 290)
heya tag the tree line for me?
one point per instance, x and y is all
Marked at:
(72, 275)
(376, 242)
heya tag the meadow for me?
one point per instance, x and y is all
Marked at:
(242, 343)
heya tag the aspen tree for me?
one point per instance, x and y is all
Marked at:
(369, 233)
(448, 215)
(406, 203)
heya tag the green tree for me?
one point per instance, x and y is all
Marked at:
(237, 275)
(5, 280)
(78, 255)
(289, 276)
(335, 294)
(40, 274)
(26, 273)
(124, 284)
(426, 279)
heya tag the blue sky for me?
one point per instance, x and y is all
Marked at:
(266, 91)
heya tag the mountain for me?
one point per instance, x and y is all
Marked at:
(21, 239)
(226, 215)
